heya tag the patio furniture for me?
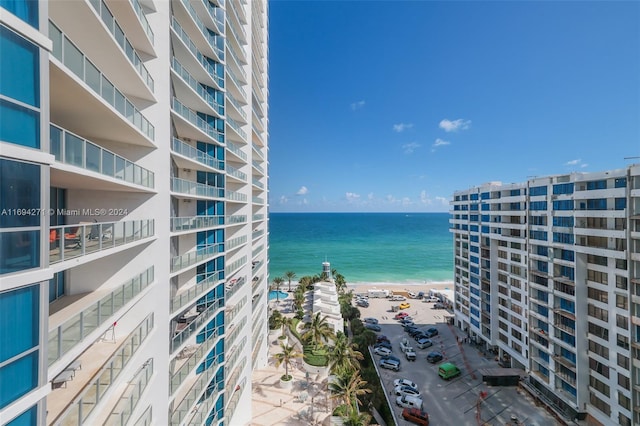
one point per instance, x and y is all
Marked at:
(75, 365)
(62, 379)
(72, 238)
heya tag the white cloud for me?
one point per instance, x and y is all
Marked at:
(406, 201)
(283, 200)
(390, 198)
(440, 142)
(454, 125)
(408, 148)
(302, 191)
(357, 105)
(424, 199)
(402, 127)
(370, 196)
(573, 162)
(584, 165)
(444, 201)
(352, 196)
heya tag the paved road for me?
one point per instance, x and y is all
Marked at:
(452, 402)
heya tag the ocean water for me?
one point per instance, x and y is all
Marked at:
(400, 248)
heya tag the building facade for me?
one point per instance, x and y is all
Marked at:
(547, 275)
(133, 201)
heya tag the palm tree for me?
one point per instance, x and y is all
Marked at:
(284, 323)
(298, 299)
(277, 282)
(318, 330)
(343, 355)
(356, 418)
(285, 357)
(348, 387)
(290, 275)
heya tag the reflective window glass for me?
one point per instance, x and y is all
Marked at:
(19, 306)
(18, 378)
(27, 10)
(19, 125)
(19, 194)
(19, 68)
(28, 418)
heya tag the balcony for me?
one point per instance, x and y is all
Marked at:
(236, 173)
(233, 286)
(565, 362)
(194, 155)
(236, 127)
(90, 115)
(235, 149)
(192, 125)
(191, 89)
(182, 298)
(237, 219)
(75, 151)
(191, 326)
(73, 241)
(76, 401)
(195, 189)
(129, 399)
(74, 330)
(189, 259)
(193, 223)
(205, 71)
(236, 196)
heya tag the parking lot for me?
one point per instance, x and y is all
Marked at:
(456, 401)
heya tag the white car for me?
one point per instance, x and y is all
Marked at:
(398, 298)
(430, 299)
(409, 402)
(406, 390)
(404, 382)
(382, 351)
(424, 343)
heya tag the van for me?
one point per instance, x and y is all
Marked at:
(448, 370)
(407, 401)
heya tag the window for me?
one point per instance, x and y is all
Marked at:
(620, 183)
(597, 204)
(596, 184)
(19, 192)
(538, 205)
(566, 221)
(620, 203)
(563, 188)
(20, 73)
(28, 418)
(537, 190)
(599, 367)
(19, 345)
(563, 205)
(27, 10)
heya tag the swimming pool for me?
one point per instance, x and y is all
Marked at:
(273, 295)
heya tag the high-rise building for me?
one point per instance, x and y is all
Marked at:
(133, 201)
(547, 275)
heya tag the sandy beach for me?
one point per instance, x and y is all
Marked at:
(400, 288)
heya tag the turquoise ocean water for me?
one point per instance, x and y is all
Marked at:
(364, 247)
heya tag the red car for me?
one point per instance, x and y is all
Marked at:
(401, 315)
(416, 416)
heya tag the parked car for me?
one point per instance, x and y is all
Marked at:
(411, 327)
(404, 344)
(382, 338)
(414, 332)
(434, 357)
(412, 295)
(390, 357)
(390, 364)
(448, 370)
(404, 382)
(424, 343)
(410, 354)
(409, 402)
(416, 416)
(401, 315)
(404, 305)
(406, 390)
(438, 305)
(381, 351)
(373, 327)
(370, 321)
(398, 298)
(362, 303)
(407, 322)
(430, 299)
(421, 335)
(430, 332)
(383, 344)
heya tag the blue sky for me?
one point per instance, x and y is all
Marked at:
(393, 106)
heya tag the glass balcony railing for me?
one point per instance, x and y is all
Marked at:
(196, 53)
(236, 196)
(191, 258)
(215, 41)
(257, 183)
(236, 62)
(233, 286)
(258, 151)
(191, 328)
(257, 166)
(194, 360)
(180, 224)
(236, 150)
(232, 171)
(94, 392)
(71, 332)
(257, 200)
(195, 154)
(236, 219)
(143, 20)
(231, 312)
(184, 409)
(235, 126)
(121, 40)
(180, 300)
(236, 242)
(196, 86)
(216, 14)
(195, 189)
(76, 151)
(121, 413)
(236, 82)
(236, 104)
(196, 120)
(67, 53)
(72, 241)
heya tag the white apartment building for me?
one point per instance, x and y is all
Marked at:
(133, 201)
(547, 275)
